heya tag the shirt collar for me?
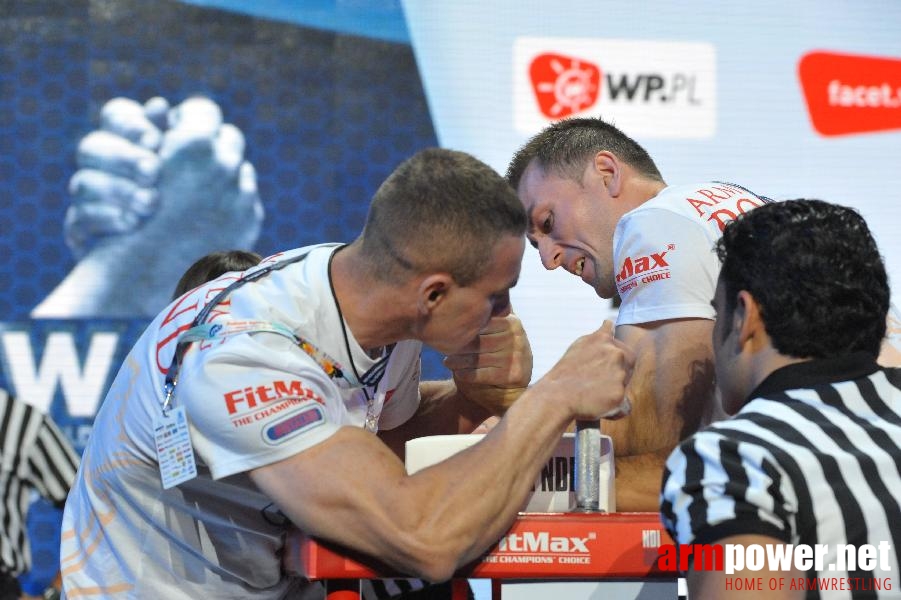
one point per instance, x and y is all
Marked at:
(815, 372)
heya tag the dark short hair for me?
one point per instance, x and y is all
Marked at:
(816, 273)
(440, 210)
(565, 147)
(212, 265)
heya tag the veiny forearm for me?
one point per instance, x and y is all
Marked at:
(477, 493)
(428, 524)
(431, 523)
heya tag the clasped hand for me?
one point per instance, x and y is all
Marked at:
(494, 369)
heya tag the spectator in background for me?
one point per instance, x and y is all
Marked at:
(35, 456)
(212, 265)
(811, 454)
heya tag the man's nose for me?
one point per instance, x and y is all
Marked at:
(550, 253)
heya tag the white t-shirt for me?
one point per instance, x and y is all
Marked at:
(666, 267)
(251, 399)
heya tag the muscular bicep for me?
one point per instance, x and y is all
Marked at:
(341, 490)
(672, 386)
(352, 490)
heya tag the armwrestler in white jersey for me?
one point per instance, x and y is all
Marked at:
(599, 208)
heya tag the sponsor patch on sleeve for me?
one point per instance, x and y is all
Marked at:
(293, 424)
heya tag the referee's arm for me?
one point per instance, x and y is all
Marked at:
(53, 463)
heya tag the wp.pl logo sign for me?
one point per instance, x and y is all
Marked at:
(848, 94)
(648, 88)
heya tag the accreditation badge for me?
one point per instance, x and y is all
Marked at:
(173, 447)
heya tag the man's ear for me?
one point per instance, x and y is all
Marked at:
(432, 290)
(747, 319)
(607, 165)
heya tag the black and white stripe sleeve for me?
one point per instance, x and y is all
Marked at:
(53, 463)
(715, 486)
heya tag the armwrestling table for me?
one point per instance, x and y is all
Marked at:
(572, 546)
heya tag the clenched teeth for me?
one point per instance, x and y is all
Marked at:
(580, 264)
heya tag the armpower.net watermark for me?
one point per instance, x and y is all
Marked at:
(832, 563)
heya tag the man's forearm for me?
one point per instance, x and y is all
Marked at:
(445, 407)
(442, 411)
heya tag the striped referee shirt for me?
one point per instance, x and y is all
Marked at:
(813, 458)
(34, 455)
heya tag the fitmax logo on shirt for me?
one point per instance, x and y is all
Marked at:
(644, 269)
(650, 88)
(251, 398)
(851, 94)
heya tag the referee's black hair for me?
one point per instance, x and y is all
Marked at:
(815, 271)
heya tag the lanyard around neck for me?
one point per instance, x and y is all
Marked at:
(200, 330)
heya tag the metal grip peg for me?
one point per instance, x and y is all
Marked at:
(588, 466)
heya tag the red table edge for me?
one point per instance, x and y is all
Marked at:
(584, 546)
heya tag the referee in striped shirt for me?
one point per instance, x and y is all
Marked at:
(812, 453)
(35, 455)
